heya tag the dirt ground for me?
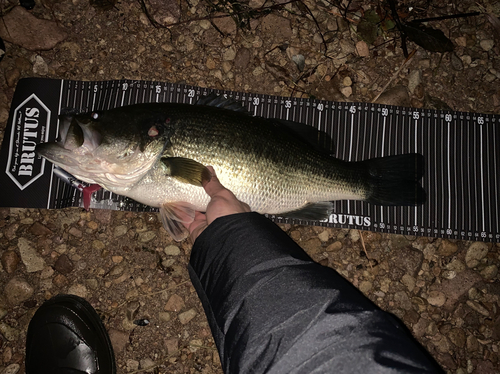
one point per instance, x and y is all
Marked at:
(446, 291)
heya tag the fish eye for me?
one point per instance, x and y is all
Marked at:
(94, 115)
(153, 131)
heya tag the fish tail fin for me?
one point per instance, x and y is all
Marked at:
(394, 180)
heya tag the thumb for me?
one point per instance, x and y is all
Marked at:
(214, 186)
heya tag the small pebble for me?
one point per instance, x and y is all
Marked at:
(365, 286)
(436, 298)
(187, 316)
(40, 67)
(172, 250)
(10, 260)
(146, 364)
(335, 246)
(447, 248)
(489, 272)
(323, 236)
(75, 232)
(64, 265)
(147, 236)
(475, 253)
(478, 308)
(347, 81)
(30, 257)
(346, 91)
(18, 290)
(11, 369)
(174, 304)
(132, 365)
(487, 44)
(12, 76)
(362, 49)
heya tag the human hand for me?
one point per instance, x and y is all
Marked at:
(222, 203)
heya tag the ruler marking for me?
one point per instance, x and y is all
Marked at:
(416, 151)
(481, 166)
(103, 101)
(351, 137)
(495, 139)
(448, 171)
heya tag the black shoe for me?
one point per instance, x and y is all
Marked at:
(66, 336)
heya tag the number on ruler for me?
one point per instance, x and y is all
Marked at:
(447, 118)
(480, 120)
(382, 225)
(416, 115)
(190, 92)
(415, 228)
(288, 104)
(385, 112)
(158, 89)
(124, 86)
(320, 107)
(449, 231)
(256, 101)
(352, 109)
(95, 87)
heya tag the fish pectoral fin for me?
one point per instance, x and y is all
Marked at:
(314, 211)
(187, 170)
(174, 216)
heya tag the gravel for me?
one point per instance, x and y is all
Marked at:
(446, 291)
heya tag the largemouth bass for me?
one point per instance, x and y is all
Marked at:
(157, 154)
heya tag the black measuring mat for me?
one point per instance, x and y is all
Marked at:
(461, 150)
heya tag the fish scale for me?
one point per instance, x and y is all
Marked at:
(267, 183)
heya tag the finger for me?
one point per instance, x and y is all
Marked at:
(198, 217)
(214, 186)
(197, 230)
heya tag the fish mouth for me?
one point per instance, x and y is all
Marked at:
(75, 139)
(74, 133)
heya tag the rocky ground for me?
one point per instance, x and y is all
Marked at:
(447, 292)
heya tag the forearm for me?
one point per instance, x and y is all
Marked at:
(272, 309)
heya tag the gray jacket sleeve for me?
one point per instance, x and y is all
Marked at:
(272, 309)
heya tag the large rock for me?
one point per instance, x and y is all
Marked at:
(22, 28)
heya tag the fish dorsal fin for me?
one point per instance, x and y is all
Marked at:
(174, 216)
(219, 101)
(317, 211)
(318, 139)
(187, 170)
